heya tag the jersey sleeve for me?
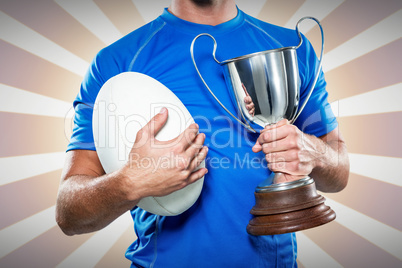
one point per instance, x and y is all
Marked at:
(317, 117)
(98, 73)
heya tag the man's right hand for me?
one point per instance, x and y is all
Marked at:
(89, 199)
(158, 168)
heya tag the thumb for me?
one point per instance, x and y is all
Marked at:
(157, 122)
(257, 147)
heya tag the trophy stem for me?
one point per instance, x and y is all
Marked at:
(270, 185)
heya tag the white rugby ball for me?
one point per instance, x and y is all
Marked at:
(125, 104)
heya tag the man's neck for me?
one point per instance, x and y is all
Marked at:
(211, 12)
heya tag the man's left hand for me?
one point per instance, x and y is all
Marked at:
(288, 150)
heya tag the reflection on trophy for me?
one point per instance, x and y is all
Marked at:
(266, 87)
(248, 101)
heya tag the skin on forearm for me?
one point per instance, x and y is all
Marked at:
(331, 169)
(87, 204)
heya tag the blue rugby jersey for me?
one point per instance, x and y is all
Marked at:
(212, 233)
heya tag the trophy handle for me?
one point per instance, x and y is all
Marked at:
(205, 83)
(319, 66)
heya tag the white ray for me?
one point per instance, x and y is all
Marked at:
(385, 237)
(381, 168)
(93, 250)
(383, 100)
(311, 255)
(92, 17)
(312, 8)
(16, 100)
(20, 233)
(150, 10)
(380, 34)
(16, 33)
(33, 165)
(252, 8)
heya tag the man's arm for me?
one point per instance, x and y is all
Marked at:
(331, 171)
(89, 199)
(296, 154)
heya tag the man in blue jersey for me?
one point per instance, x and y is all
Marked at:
(212, 233)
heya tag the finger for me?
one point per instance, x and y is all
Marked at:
(285, 138)
(291, 168)
(270, 133)
(157, 122)
(276, 146)
(196, 146)
(245, 89)
(149, 131)
(248, 100)
(278, 167)
(196, 175)
(274, 134)
(188, 136)
(197, 160)
(250, 106)
(257, 147)
(284, 156)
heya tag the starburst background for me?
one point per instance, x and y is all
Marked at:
(45, 49)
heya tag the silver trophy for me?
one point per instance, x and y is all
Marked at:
(266, 89)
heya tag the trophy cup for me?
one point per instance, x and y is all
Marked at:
(270, 81)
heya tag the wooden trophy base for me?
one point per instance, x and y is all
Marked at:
(288, 207)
